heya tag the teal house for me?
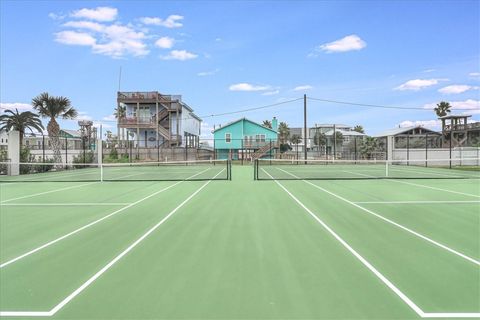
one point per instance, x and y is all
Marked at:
(245, 139)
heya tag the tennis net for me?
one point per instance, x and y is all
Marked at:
(280, 169)
(136, 171)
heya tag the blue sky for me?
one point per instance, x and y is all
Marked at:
(226, 56)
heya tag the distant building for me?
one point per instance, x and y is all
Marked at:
(153, 119)
(245, 139)
(413, 137)
(461, 132)
(3, 140)
(72, 139)
(347, 132)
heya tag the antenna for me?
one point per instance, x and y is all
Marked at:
(119, 79)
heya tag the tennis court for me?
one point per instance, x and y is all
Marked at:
(226, 246)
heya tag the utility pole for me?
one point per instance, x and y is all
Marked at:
(305, 126)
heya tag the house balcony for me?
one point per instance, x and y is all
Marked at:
(258, 144)
(463, 127)
(133, 122)
(147, 97)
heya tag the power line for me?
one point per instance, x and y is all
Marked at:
(376, 105)
(250, 109)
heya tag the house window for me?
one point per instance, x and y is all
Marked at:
(228, 137)
(262, 138)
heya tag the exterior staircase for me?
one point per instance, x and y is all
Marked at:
(263, 151)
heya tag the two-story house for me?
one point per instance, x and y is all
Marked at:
(152, 119)
(245, 139)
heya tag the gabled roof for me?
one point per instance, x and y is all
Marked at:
(395, 131)
(73, 133)
(345, 133)
(242, 119)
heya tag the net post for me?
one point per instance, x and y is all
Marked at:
(386, 168)
(100, 153)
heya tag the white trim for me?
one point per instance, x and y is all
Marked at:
(377, 273)
(76, 292)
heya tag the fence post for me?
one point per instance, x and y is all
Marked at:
(66, 152)
(408, 149)
(243, 151)
(158, 148)
(450, 151)
(355, 149)
(43, 148)
(270, 151)
(426, 149)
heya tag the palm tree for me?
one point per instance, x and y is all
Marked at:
(296, 139)
(283, 134)
(358, 128)
(320, 139)
(368, 146)
(267, 124)
(53, 107)
(338, 137)
(20, 122)
(120, 113)
(442, 109)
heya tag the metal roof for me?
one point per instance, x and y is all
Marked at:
(396, 131)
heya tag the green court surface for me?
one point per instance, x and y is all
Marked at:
(240, 249)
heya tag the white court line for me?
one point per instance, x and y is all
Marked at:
(418, 185)
(46, 192)
(442, 174)
(90, 224)
(377, 273)
(421, 236)
(418, 202)
(60, 189)
(71, 296)
(67, 204)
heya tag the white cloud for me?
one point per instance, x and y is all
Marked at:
(206, 133)
(98, 14)
(207, 73)
(173, 21)
(303, 88)
(271, 93)
(165, 42)
(181, 55)
(471, 105)
(429, 70)
(247, 87)
(110, 118)
(56, 16)
(75, 38)
(16, 105)
(423, 123)
(83, 116)
(455, 89)
(474, 74)
(348, 43)
(114, 40)
(89, 25)
(418, 84)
